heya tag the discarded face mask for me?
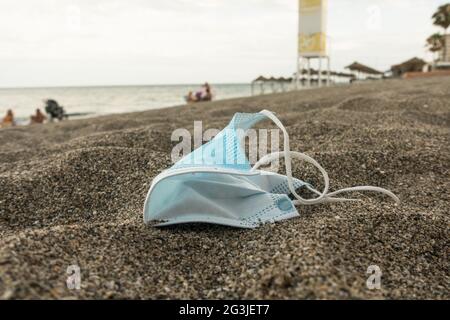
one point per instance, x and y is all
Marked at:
(216, 183)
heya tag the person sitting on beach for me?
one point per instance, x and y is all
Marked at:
(8, 120)
(208, 94)
(38, 118)
(190, 97)
(198, 96)
(54, 110)
(204, 94)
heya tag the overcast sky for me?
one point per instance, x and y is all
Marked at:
(115, 42)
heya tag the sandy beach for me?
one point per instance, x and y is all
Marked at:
(72, 193)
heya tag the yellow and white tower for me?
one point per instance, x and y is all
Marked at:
(312, 39)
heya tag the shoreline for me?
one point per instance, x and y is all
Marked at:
(22, 120)
(104, 100)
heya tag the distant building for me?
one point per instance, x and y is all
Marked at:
(412, 65)
(443, 61)
(444, 54)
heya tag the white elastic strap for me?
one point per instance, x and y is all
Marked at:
(324, 196)
(276, 155)
(328, 199)
(288, 163)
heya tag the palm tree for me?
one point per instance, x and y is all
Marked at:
(435, 42)
(441, 18)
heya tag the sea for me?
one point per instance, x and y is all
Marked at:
(95, 101)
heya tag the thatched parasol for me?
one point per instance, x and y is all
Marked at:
(356, 66)
(260, 79)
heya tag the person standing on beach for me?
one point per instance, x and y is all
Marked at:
(8, 120)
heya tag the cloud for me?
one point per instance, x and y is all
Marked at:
(141, 41)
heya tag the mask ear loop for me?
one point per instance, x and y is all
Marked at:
(288, 163)
(324, 196)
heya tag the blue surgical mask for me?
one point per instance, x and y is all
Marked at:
(217, 184)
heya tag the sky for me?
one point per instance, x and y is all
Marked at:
(137, 42)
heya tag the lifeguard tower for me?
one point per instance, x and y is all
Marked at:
(312, 42)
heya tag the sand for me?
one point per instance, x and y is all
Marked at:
(73, 192)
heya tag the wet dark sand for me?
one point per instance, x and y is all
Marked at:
(73, 192)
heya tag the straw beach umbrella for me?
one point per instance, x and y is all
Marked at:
(261, 80)
(272, 81)
(282, 81)
(360, 69)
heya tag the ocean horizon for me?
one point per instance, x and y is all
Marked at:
(89, 101)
